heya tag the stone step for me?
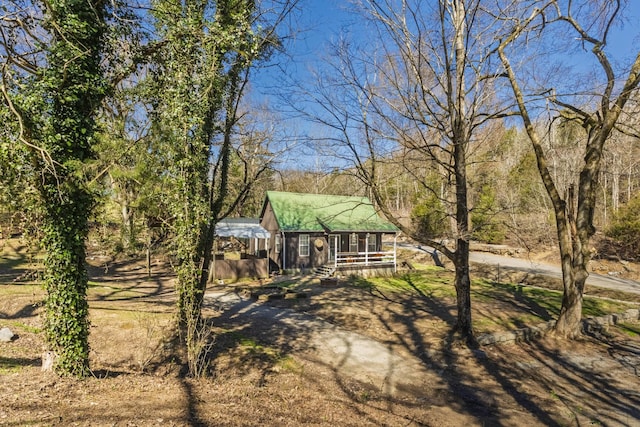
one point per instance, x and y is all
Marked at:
(324, 271)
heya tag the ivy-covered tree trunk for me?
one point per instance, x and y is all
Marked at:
(204, 55)
(71, 88)
(65, 278)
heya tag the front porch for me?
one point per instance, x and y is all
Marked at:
(373, 260)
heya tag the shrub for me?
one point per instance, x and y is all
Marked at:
(429, 218)
(625, 228)
(486, 227)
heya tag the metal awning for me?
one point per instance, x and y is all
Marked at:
(245, 228)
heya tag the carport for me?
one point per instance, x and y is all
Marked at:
(243, 253)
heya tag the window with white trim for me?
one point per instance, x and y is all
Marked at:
(277, 243)
(371, 244)
(303, 245)
(353, 242)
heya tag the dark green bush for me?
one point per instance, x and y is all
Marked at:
(625, 228)
(429, 217)
(486, 225)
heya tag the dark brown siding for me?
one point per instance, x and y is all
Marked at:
(318, 253)
(362, 241)
(269, 223)
(235, 269)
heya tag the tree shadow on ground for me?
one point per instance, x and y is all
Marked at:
(17, 263)
(193, 417)
(18, 362)
(467, 387)
(513, 298)
(457, 387)
(128, 280)
(29, 310)
(257, 337)
(486, 404)
(488, 385)
(581, 379)
(580, 388)
(499, 274)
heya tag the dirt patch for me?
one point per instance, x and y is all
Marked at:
(273, 374)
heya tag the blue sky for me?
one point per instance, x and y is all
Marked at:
(624, 41)
(321, 22)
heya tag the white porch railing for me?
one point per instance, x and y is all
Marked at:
(365, 258)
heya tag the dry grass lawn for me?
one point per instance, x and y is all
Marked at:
(264, 374)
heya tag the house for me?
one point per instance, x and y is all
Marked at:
(309, 231)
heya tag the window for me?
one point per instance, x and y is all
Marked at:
(353, 242)
(278, 243)
(371, 246)
(303, 245)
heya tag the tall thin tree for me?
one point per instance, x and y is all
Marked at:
(202, 72)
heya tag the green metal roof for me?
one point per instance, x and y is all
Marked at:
(321, 212)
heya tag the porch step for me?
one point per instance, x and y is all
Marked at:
(324, 271)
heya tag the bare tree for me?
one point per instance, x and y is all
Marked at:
(597, 107)
(416, 97)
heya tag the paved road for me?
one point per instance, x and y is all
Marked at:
(535, 267)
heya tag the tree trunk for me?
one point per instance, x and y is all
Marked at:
(128, 232)
(582, 229)
(568, 324)
(464, 325)
(462, 279)
(72, 86)
(65, 278)
(615, 189)
(207, 257)
(458, 111)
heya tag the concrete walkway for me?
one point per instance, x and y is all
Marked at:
(347, 353)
